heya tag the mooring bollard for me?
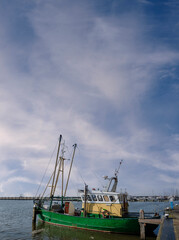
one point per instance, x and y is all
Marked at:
(34, 216)
(142, 225)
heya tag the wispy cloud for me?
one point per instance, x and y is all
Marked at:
(168, 179)
(145, 1)
(89, 74)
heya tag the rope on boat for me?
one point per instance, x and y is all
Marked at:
(79, 172)
(46, 170)
(82, 179)
(99, 179)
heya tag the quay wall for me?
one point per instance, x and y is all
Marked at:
(37, 198)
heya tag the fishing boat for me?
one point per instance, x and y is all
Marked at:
(102, 210)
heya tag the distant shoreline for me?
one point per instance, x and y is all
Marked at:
(77, 199)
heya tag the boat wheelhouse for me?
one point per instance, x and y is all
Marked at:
(104, 204)
(105, 211)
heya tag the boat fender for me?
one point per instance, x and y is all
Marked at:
(105, 214)
(166, 215)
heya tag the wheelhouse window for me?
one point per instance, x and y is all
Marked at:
(100, 198)
(94, 197)
(89, 198)
(112, 198)
(106, 198)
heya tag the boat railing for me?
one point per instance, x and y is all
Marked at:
(147, 214)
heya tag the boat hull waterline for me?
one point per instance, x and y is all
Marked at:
(111, 225)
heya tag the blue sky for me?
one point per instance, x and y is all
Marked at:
(105, 75)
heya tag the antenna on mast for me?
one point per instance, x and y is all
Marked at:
(115, 178)
(117, 170)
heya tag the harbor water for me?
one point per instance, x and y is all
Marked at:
(16, 223)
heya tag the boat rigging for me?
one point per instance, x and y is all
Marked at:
(114, 179)
(105, 211)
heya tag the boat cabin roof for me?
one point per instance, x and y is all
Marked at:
(104, 197)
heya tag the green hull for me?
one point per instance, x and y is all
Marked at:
(115, 225)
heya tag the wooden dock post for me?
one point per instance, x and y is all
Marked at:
(142, 225)
(34, 217)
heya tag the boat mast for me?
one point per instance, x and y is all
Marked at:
(61, 169)
(115, 178)
(75, 145)
(52, 188)
(62, 163)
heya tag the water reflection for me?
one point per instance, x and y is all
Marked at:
(63, 233)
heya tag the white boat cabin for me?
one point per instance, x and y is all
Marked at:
(105, 204)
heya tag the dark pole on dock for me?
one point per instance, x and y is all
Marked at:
(34, 217)
(142, 225)
(85, 200)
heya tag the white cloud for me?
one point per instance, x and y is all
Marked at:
(84, 70)
(19, 179)
(1, 188)
(167, 179)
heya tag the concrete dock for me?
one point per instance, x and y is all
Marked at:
(176, 222)
(169, 228)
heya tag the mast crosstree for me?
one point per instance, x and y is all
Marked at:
(59, 168)
(113, 179)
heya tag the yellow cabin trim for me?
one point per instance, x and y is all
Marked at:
(114, 209)
(111, 203)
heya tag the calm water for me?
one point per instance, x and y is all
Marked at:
(16, 223)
